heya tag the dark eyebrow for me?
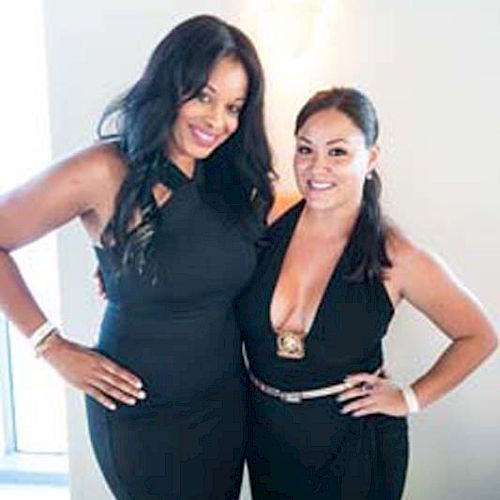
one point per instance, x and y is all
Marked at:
(328, 143)
(305, 139)
(333, 141)
(211, 88)
(214, 91)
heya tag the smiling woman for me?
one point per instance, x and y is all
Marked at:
(165, 384)
(325, 421)
(319, 145)
(205, 122)
(441, 181)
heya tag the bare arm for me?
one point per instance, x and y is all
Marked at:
(31, 211)
(426, 282)
(81, 186)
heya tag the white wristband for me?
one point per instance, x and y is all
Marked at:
(40, 334)
(410, 399)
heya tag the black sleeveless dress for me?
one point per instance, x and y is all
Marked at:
(309, 450)
(178, 332)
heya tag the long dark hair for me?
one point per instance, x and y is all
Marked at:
(368, 242)
(239, 171)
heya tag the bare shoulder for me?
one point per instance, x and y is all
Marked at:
(102, 163)
(412, 263)
(94, 175)
(83, 184)
(105, 169)
(403, 250)
(426, 281)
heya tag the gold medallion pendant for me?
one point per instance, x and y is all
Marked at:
(290, 344)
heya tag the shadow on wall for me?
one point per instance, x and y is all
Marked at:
(284, 200)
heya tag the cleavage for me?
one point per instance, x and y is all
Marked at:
(303, 280)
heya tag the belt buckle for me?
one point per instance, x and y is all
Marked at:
(291, 397)
(290, 345)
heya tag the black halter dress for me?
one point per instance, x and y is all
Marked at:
(309, 450)
(178, 332)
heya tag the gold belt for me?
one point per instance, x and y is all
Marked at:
(297, 396)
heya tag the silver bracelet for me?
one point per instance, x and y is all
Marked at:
(410, 399)
(40, 334)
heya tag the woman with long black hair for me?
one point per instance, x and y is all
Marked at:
(173, 199)
(324, 421)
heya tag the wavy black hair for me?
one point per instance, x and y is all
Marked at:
(368, 241)
(239, 171)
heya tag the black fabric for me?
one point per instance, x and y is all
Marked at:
(177, 330)
(311, 450)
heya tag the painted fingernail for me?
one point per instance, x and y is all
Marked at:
(112, 407)
(131, 402)
(141, 395)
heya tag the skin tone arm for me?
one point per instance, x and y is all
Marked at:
(429, 286)
(84, 186)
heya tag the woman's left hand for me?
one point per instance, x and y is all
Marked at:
(369, 394)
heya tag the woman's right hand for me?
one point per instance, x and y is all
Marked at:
(93, 373)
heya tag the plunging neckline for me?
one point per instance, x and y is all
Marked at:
(282, 253)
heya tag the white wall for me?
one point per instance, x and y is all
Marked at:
(432, 69)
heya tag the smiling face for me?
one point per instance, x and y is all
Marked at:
(208, 119)
(331, 160)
